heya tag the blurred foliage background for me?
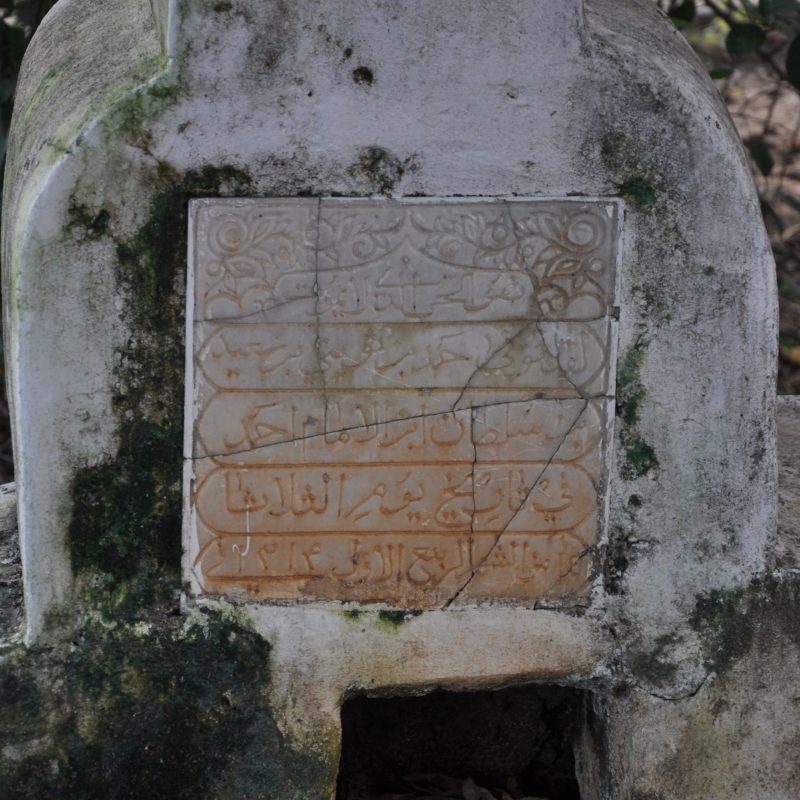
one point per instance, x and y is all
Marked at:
(752, 51)
(18, 22)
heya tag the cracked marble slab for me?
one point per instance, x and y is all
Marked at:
(404, 402)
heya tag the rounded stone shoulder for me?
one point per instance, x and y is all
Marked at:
(83, 57)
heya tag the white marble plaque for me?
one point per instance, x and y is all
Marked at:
(403, 402)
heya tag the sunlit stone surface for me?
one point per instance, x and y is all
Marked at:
(398, 402)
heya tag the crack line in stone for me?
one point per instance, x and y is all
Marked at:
(519, 508)
(347, 429)
(352, 361)
(542, 318)
(680, 697)
(393, 421)
(243, 319)
(489, 358)
(317, 333)
(472, 475)
(562, 371)
(576, 559)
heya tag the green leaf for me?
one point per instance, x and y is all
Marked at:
(759, 152)
(793, 62)
(720, 72)
(685, 11)
(744, 38)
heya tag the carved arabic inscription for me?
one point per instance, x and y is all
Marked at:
(398, 402)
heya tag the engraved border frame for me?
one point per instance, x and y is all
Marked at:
(192, 584)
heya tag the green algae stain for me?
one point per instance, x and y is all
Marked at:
(392, 620)
(126, 509)
(630, 392)
(654, 665)
(173, 712)
(732, 622)
(382, 170)
(636, 182)
(88, 224)
(124, 512)
(638, 191)
(640, 458)
(388, 620)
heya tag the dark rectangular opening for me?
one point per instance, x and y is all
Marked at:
(518, 741)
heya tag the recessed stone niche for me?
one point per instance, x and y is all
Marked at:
(523, 740)
(401, 402)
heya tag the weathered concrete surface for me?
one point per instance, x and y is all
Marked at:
(532, 98)
(753, 709)
(60, 95)
(787, 548)
(737, 735)
(378, 652)
(11, 610)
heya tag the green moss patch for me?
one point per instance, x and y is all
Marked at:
(640, 458)
(89, 224)
(637, 184)
(363, 75)
(732, 622)
(392, 620)
(653, 666)
(638, 191)
(382, 170)
(172, 713)
(127, 509)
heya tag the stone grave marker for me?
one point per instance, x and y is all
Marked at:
(374, 348)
